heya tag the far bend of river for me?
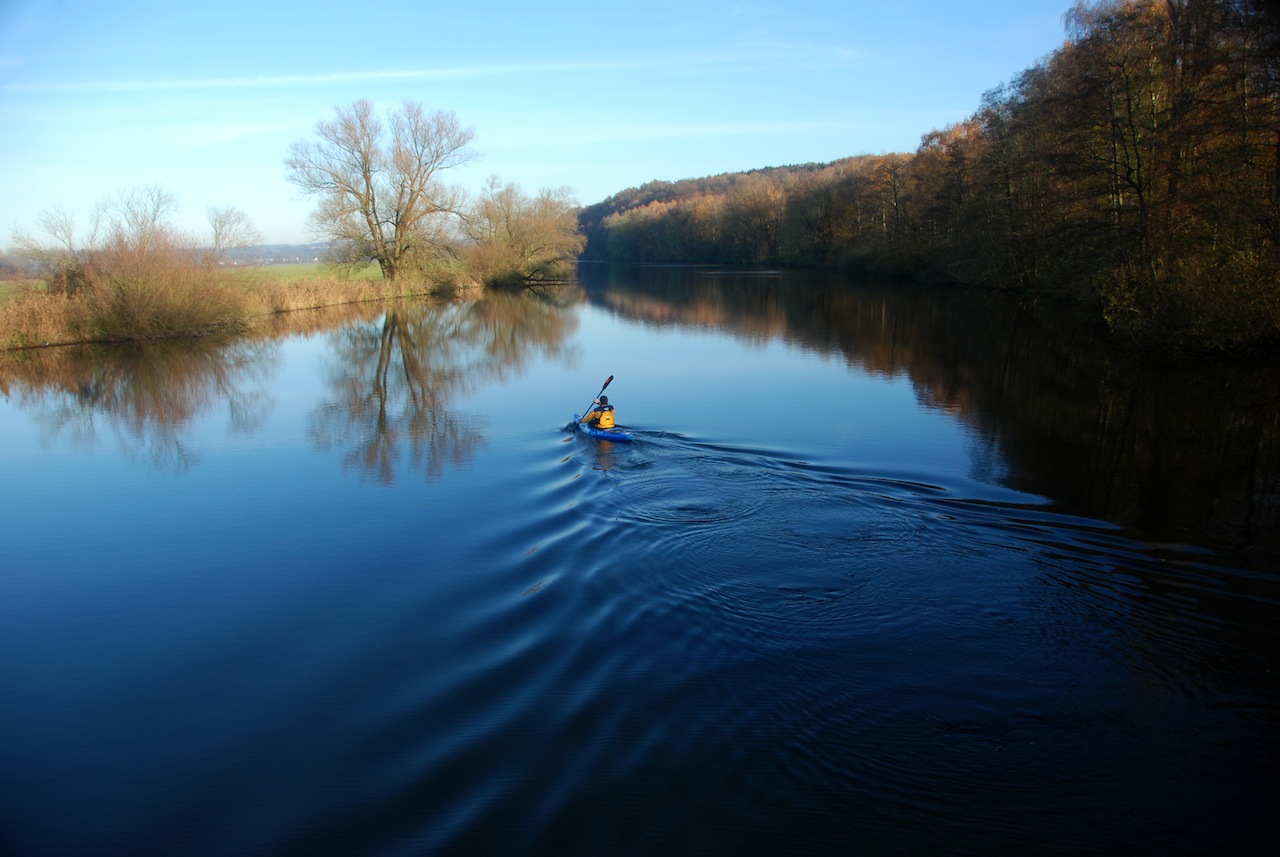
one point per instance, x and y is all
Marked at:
(885, 571)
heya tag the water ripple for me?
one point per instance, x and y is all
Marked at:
(768, 644)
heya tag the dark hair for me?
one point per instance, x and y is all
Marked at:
(604, 400)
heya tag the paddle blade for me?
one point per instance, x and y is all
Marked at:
(607, 383)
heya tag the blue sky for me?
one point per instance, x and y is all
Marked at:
(203, 99)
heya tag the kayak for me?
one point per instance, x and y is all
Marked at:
(616, 435)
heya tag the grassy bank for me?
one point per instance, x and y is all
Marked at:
(158, 302)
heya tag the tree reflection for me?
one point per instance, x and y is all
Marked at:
(144, 395)
(393, 379)
(1180, 453)
(393, 382)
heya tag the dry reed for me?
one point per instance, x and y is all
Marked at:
(33, 319)
(130, 300)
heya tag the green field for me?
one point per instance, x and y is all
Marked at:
(9, 288)
(304, 271)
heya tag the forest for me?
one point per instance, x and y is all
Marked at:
(1136, 168)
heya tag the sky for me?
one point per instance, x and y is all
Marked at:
(203, 99)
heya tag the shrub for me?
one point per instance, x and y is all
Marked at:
(158, 288)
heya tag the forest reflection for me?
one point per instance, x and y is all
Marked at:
(1179, 453)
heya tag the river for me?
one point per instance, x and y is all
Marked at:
(885, 570)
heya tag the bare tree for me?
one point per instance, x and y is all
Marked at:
(60, 225)
(140, 218)
(517, 238)
(380, 196)
(62, 257)
(132, 230)
(231, 228)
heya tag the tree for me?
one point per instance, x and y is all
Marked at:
(755, 209)
(379, 190)
(517, 238)
(231, 228)
(134, 275)
(140, 219)
(61, 258)
(136, 223)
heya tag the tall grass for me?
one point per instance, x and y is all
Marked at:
(126, 291)
(31, 319)
(155, 290)
(137, 278)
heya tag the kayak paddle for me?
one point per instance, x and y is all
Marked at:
(607, 382)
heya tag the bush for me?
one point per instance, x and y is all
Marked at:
(155, 289)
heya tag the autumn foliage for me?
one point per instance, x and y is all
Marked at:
(1137, 167)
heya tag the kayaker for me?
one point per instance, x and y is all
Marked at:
(600, 415)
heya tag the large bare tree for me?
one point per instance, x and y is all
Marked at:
(379, 189)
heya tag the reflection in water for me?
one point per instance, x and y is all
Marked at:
(145, 395)
(1186, 458)
(392, 382)
(716, 644)
(1179, 454)
(392, 379)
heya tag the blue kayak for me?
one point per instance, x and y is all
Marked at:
(614, 434)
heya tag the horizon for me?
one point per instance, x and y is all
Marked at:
(204, 102)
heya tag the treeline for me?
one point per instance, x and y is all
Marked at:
(1137, 167)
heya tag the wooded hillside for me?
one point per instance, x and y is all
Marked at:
(1137, 167)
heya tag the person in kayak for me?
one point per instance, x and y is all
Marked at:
(601, 414)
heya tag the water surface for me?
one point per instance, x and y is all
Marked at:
(884, 571)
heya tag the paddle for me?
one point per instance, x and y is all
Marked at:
(607, 382)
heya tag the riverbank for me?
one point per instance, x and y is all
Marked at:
(209, 302)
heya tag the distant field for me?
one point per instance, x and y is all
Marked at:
(303, 271)
(8, 288)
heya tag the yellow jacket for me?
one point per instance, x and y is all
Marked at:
(600, 416)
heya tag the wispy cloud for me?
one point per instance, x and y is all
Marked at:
(812, 52)
(700, 130)
(222, 133)
(328, 79)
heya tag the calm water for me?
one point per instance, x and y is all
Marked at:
(883, 572)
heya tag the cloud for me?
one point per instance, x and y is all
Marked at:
(701, 130)
(222, 133)
(329, 79)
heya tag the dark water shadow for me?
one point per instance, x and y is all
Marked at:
(1184, 453)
